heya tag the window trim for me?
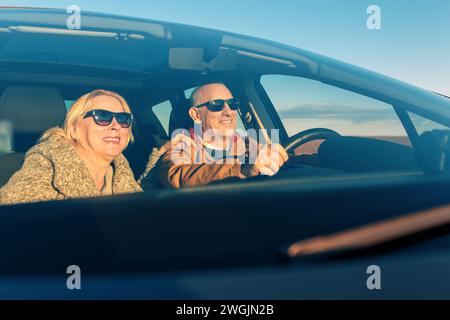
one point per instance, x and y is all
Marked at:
(271, 110)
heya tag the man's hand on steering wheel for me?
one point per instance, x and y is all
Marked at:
(269, 159)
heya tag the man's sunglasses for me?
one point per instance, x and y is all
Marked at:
(219, 104)
(105, 117)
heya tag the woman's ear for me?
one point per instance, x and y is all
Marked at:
(194, 114)
(73, 133)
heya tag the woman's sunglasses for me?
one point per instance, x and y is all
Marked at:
(219, 104)
(105, 117)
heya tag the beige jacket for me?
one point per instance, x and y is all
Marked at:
(52, 170)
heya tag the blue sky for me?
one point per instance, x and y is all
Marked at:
(413, 44)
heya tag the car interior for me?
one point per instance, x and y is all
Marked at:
(157, 66)
(37, 104)
(347, 181)
(153, 63)
(32, 109)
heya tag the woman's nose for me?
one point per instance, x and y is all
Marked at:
(114, 124)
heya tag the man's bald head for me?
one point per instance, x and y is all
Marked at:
(209, 92)
(223, 121)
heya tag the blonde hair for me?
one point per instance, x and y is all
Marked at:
(77, 112)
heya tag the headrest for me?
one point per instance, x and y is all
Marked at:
(180, 119)
(31, 111)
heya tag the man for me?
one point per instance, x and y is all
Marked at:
(212, 150)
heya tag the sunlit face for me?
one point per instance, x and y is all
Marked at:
(223, 122)
(104, 142)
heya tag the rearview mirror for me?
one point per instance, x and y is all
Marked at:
(193, 59)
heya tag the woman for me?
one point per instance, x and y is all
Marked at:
(82, 159)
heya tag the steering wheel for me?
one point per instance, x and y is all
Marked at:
(308, 135)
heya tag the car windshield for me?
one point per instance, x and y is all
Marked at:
(328, 130)
(175, 160)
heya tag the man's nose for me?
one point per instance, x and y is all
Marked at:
(227, 109)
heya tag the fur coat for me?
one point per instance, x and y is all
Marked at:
(53, 170)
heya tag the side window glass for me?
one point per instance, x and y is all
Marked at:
(162, 112)
(6, 134)
(188, 92)
(423, 124)
(303, 104)
(69, 104)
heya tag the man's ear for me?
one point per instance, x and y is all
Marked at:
(194, 114)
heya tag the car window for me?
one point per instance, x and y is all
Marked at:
(188, 92)
(423, 124)
(69, 104)
(5, 136)
(162, 112)
(304, 104)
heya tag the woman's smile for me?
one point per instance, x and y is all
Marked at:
(114, 140)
